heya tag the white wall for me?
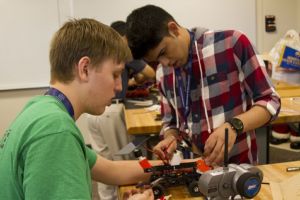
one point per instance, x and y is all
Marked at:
(213, 14)
(287, 17)
(298, 16)
(26, 28)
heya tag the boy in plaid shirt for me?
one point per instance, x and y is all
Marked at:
(209, 81)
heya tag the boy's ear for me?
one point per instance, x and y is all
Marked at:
(83, 68)
(173, 28)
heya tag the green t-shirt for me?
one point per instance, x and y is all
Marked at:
(43, 155)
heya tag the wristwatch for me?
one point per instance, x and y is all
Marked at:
(237, 125)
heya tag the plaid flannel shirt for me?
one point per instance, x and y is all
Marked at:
(234, 80)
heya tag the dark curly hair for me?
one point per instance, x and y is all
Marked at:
(120, 27)
(146, 27)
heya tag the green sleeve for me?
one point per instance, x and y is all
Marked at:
(91, 156)
(55, 167)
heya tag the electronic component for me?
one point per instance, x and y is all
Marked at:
(231, 180)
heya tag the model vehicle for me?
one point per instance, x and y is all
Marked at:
(167, 175)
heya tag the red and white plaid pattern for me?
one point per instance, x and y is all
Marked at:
(234, 79)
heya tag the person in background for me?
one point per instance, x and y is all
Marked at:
(209, 81)
(136, 71)
(42, 153)
(108, 131)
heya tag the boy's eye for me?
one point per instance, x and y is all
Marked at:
(116, 76)
(161, 53)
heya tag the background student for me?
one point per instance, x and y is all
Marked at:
(209, 81)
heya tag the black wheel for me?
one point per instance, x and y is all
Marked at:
(158, 191)
(194, 189)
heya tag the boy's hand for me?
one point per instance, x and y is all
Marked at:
(139, 195)
(214, 146)
(166, 148)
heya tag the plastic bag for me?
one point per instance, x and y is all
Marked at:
(290, 39)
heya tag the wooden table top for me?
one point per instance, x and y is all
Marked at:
(290, 111)
(279, 85)
(141, 121)
(285, 89)
(283, 93)
(272, 172)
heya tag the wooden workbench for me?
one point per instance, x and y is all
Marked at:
(285, 89)
(141, 121)
(290, 111)
(283, 93)
(272, 172)
(281, 85)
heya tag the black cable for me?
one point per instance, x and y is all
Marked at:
(226, 148)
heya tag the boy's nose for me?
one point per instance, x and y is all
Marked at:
(118, 85)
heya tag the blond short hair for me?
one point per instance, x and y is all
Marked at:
(84, 37)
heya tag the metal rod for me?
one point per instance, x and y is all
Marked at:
(226, 148)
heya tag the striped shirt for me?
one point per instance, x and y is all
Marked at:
(232, 79)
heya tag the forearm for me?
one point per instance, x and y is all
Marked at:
(119, 172)
(254, 118)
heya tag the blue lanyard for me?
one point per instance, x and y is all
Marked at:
(184, 93)
(63, 99)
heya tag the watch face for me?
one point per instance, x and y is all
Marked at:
(237, 124)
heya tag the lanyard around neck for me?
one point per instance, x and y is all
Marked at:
(62, 98)
(184, 93)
